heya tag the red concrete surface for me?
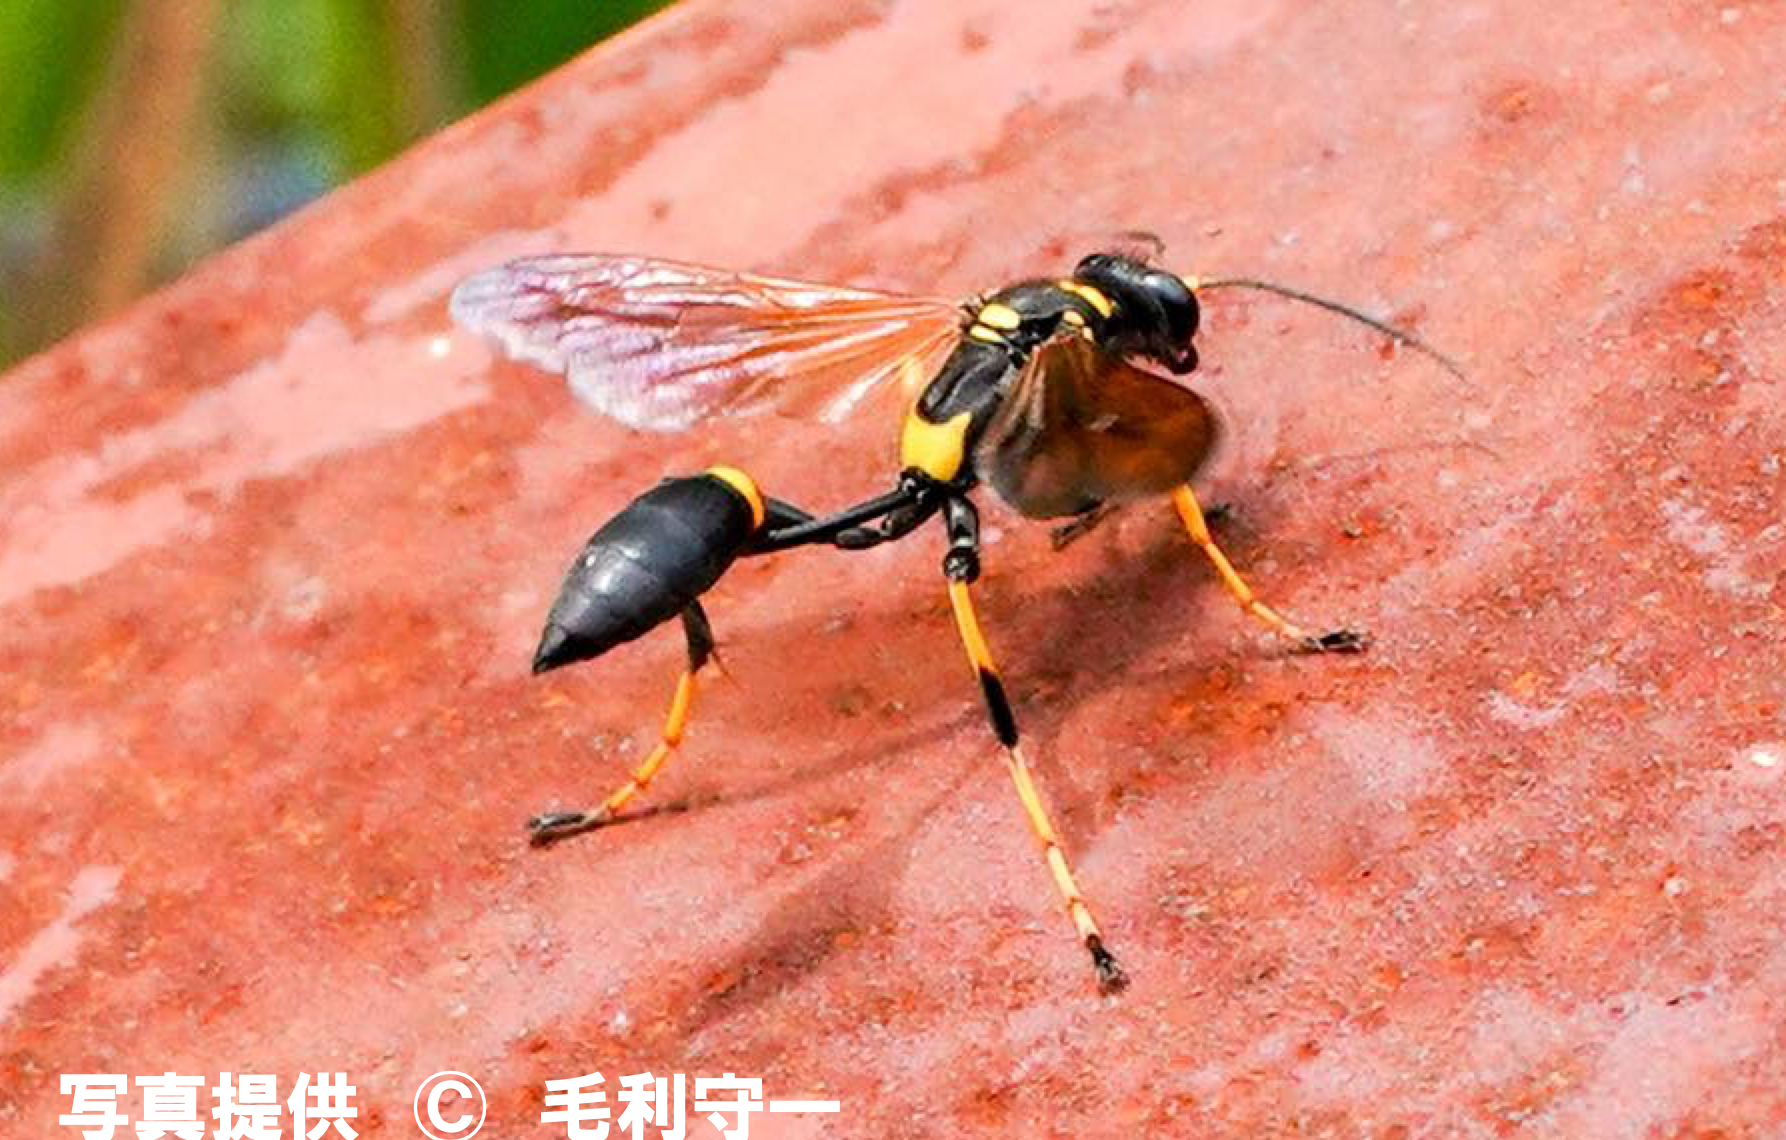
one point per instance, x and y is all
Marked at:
(277, 541)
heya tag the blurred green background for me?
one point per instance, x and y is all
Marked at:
(138, 135)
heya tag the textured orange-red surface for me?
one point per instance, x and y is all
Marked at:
(275, 544)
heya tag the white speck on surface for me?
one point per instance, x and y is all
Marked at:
(60, 748)
(1598, 678)
(440, 347)
(1509, 711)
(56, 944)
(1388, 759)
(305, 599)
(1634, 181)
(1626, 1095)
(303, 405)
(1691, 527)
(1764, 756)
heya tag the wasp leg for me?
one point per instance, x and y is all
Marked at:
(1080, 525)
(554, 826)
(897, 513)
(961, 566)
(1335, 641)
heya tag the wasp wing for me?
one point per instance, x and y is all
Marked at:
(661, 345)
(1082, 428)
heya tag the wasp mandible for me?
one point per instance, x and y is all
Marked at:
(1044, 390)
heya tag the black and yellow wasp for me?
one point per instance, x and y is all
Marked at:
(1037, 390)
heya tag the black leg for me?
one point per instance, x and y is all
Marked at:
(1080, 525)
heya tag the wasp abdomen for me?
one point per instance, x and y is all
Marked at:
(648, 564)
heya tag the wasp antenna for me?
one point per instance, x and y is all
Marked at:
(1400, 336)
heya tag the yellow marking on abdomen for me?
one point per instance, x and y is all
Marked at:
(1090, 295)
(935, 449)
(745, 486)
(989, 335)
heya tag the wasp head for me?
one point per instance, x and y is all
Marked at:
(1156, 312)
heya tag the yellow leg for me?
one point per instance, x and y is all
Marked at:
(1337, 641)
(559, 824)
(1004, 724)
(674, 725)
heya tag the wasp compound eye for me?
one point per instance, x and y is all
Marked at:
(1178, 305)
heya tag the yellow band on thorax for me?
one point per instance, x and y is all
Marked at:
(745, 486)
(998, 316)
(938, 450)
(1090, 295)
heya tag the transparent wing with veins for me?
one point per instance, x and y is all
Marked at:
(662, 345)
